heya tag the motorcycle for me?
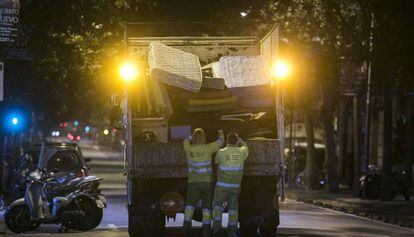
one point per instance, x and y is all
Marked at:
(370, 183)
(76, 204)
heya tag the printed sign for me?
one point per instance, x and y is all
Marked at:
(353, 76)
(9, 20)
(1, 80)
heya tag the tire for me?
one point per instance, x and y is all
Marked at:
(268, 231)
(17, 219)
(247, 229)
(145, 224)
(34, 226)
(92, 215)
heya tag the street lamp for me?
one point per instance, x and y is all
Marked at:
(128, 71)
(280, 71)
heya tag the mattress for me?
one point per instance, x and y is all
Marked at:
(202, 94)
(213, 83)
(174, 67)
(242, 71)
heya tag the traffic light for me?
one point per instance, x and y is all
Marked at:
(14, 121)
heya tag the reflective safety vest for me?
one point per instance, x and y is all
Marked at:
(230, 162)
(199, 160)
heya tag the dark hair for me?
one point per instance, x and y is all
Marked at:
(232, 138)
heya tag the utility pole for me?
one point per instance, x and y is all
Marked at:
(365, 155)
(281, 133)
(128, 126)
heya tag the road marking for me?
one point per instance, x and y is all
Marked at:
(307, 212)
(113, 227)
(363, 218)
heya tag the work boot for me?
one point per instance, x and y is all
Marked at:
(232, 231)
(206, 231)
(219, 233)
(186, 228)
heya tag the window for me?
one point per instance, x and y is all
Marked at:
(64, 161)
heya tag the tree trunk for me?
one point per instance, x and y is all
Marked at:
(342, 130)
(332, 159)
(310, 169)
(386, 181)
(356, 152)
(410, 139)
(332, 162)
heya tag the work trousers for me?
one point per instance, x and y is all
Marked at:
(231, 196)
(199, 191)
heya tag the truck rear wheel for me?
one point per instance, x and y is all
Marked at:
(146, 224)
(247, 228)
(268, 231)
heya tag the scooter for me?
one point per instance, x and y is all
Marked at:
(77, 203)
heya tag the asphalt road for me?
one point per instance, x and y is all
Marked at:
(297, 219)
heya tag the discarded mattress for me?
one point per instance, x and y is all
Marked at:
(255, 97)
(174, 67)
(242, 71)
(252, 91)
(158, 101)
(230, 100)
(213, 83)
(209, 105)
(202, 94)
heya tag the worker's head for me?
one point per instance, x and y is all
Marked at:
(232, 138)
(199, 137)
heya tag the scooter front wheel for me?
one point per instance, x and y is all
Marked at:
(18, 220)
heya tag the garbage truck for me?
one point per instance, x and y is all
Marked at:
(186, 82)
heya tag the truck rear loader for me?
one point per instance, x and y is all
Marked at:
(156, 165)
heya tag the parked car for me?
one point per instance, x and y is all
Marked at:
(67, 158)
(64, 157)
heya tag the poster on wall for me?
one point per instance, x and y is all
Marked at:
(9, 20)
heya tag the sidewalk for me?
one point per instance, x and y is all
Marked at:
(397, 212)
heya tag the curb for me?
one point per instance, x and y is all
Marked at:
(365, 214)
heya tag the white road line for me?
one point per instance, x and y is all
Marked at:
(113, 227)
(364, 218)
(306, 212)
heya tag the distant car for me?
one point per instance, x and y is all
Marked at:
(67, 160)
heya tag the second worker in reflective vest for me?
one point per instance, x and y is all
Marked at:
(200, 177)
(230, 162)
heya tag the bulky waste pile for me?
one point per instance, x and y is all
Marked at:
(233, 94)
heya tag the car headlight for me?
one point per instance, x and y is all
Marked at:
(35, 175)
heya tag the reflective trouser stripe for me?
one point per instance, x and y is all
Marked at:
(217, 211)
(206, 216)
(228, 185)
(200, 164)
(229, 168)
(233, 217)
(200, 170)
(188, 213)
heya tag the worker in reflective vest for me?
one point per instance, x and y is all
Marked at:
(200, 177)
(230, 162)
